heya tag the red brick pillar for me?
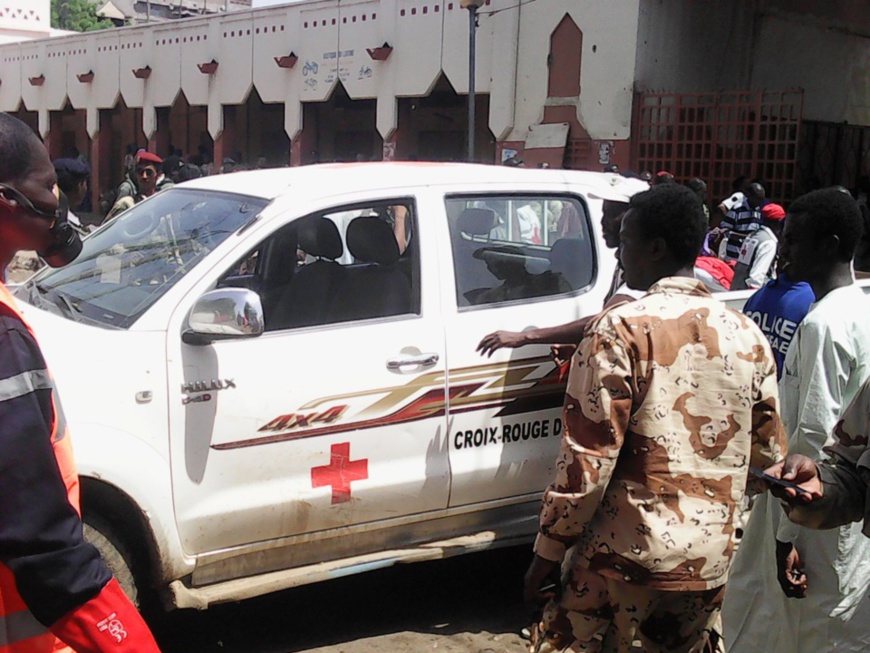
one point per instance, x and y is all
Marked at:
(224, 145)
(159, 142)
(396, 147)
(54, 139)
(302, 149)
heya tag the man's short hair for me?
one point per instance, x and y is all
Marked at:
(696, 184)
(676, 215)
(830, 212)
(17, 141)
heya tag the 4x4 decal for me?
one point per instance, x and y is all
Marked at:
(516, 387)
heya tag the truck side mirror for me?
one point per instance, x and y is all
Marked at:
(224, 314)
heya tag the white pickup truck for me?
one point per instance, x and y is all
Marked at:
(271, 378)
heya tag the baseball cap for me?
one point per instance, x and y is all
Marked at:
(771, 211)
(143, 156)
(618, 189)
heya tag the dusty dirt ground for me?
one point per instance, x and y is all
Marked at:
(469, 604)
(22, 266)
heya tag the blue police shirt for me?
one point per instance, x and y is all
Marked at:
(777, 308)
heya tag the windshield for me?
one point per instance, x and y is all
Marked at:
(129, 264)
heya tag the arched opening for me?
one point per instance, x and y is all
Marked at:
(255, 134)
(120, 137)
(183, 129)
(435, 127)
(341, 129)
(29, 118)
(68, 133)
(566, 54)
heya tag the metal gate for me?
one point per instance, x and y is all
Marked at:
(719, 136)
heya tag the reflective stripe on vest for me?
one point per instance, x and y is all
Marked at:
(20, 632)
(24, 383)
(20, 626)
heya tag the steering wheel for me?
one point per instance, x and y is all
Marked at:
(140, 225)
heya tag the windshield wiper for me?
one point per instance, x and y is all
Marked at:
(66, 306)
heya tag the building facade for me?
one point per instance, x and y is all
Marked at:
(565, 82)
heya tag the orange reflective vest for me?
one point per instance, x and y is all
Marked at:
(20, 632)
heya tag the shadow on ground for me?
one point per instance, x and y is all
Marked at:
(469, 604)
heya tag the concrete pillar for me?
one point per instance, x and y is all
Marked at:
(100, 166)
(225, 143)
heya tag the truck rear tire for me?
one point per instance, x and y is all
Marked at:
(114, 554)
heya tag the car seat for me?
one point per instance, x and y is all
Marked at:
(571, 258)
(472, 274)
(309, 294)
(377, 287)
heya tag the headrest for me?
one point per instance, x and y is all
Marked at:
(320, 238)
(566, 251)
(476, 222)
(370, 239)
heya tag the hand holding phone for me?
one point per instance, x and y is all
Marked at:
(773, 480)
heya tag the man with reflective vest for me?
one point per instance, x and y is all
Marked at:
(53, 585)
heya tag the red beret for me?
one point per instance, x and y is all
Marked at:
(773, 211)
(148, 157)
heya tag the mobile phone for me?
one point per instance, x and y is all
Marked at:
(755, 471)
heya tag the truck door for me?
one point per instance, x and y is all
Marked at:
(334, 417)
(519, 260)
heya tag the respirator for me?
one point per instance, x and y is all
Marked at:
(64, 242)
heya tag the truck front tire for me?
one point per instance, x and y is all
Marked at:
(114, 554)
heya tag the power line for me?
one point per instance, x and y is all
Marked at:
(493, 12)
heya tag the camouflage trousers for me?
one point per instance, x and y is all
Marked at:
(602, 615)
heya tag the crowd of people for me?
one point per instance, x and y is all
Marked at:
(675, 407)
(144, 173)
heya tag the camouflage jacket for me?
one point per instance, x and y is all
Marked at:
(846, 474)
(670, 398)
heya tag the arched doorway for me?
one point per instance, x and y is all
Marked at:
(341, 129)
(183, 129)
(68, 133)
(254, 133)
(120, 135)
(435, 127)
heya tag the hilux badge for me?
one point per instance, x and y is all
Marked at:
(205, 386)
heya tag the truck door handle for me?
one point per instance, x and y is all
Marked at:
(425, 360)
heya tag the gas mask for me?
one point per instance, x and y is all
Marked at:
(64, 243)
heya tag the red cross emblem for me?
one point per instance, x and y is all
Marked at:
(340, 472)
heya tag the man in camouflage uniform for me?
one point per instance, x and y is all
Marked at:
(670, 399)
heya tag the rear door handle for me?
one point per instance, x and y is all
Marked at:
(424, 360)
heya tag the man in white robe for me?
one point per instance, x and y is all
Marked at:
(780, 563)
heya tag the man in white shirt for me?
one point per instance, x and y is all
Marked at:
(828, 360)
